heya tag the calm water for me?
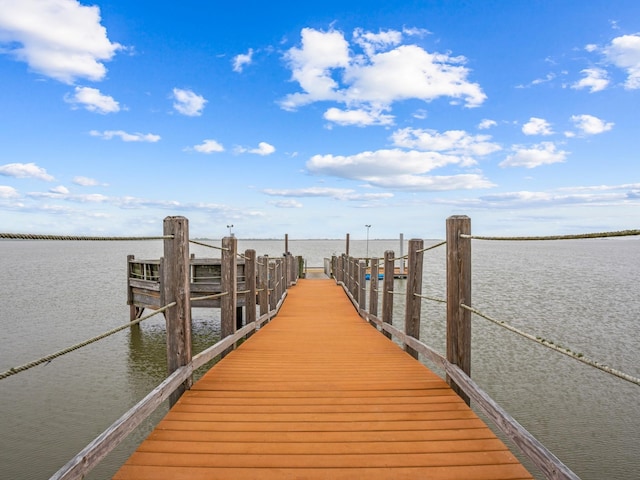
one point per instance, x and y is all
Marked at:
(581, 294)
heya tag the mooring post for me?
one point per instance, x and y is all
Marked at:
(250, 285)
(229, 302)
(458, 293)
(413, 302)
(373, 288)
(176, 286)
(387, 290)
(263, 284)
(362, 285)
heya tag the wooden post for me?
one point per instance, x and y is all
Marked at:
(362, 285)
(272, 286)
(263, 284)
(300, 267)
(286, 243)
(373, 289)
(229, 302)
(413, 303)
(251, 284)
(177, 288)
(133, 310)
(346, 248)
(387, 293)
(459, 292)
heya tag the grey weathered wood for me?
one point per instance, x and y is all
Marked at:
(228, 303)
(346, 248)
(362, 285)
(250, 274)
(263, 286)
(272, 286)
(458, 293)
(81, 464)
(373, 287)
(387, 289)
(176, 288)
(413, 303)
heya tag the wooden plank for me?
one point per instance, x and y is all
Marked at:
(317, 393)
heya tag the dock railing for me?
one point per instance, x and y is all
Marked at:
(166, 286)
(350, 272)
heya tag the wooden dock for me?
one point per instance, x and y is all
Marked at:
(318, 393)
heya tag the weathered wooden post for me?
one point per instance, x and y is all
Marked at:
(458, 293)
(300, 267)
(272, 286)
(346, 249)
(229, 302)
(176, 287)
(263, 284)
(362, 285)
(373, 289)
(413, 302)
(387, 293)
(251, 285)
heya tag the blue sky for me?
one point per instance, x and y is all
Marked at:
(319, 118)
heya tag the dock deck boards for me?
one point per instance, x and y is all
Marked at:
(319, 394)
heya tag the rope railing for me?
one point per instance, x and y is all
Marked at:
(432, 299)
(195, 242)
(32, 236)
(621, 233)
(426, 249)
(77, 346)
(209, 297)
(558, 348)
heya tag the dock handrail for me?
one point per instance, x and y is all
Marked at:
(350, 273)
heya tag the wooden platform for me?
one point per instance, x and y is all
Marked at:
(320, 394)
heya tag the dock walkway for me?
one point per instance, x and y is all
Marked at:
(319, 394)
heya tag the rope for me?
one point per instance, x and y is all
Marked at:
(622, 233)
(424, 297)
(208, 297)
(30, 236)
(432, 247)
(558, 348)
(48, 358)
(195, 242)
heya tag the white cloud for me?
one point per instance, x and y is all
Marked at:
(25, 170)
(126, 137)
(357, 117)
(537, 126)
(311, 65)
(209, 146)
(8, 192)
(85, 181)
(92, 100)
(454, 142)
(590, 125)
(485, 124)
(60, 189)
(239, 61)
(595, 79)
(396, 169)
(61, 39)
(287, 204)
(542, 154)
(624, 52)
(188, 103)
(335, 193)
(385, 72)
(263, 149)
